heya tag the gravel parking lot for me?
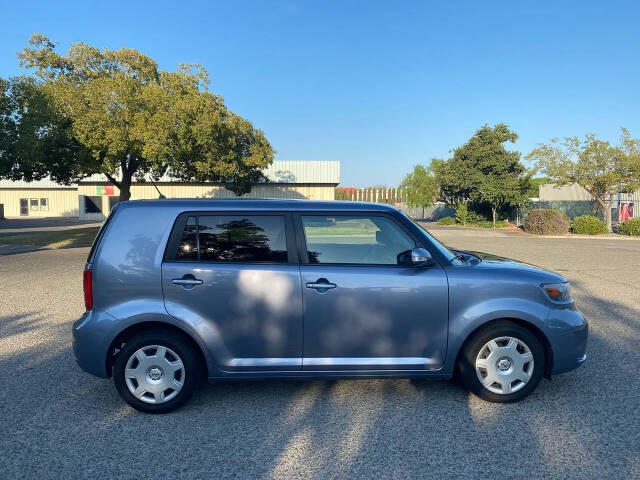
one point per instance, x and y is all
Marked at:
(57, 421)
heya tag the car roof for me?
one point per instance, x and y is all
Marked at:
(260, 204)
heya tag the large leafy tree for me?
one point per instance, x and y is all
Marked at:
(35, 139)
(419, 187)
(483, 171)
(602, 169)
(114, 112)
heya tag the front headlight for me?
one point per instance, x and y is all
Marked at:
(558, 292)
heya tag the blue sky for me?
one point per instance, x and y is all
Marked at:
(380, 86)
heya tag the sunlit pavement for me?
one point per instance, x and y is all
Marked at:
(57, 421)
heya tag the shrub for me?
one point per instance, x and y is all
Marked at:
(546, 221)
(462, 214)
(446, 221)
(474, 217)
(630, 227)
(589, 225)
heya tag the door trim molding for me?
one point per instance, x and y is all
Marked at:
(423, 362)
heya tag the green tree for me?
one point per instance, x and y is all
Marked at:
(419, 188)
(34, 138)
(462, 214)
(114, 112)
(483, 171)
(601, 169)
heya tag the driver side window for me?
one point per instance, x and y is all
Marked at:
(364, 240)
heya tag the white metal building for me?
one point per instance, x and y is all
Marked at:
(93, 197)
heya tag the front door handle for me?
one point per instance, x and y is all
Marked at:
(321, 285)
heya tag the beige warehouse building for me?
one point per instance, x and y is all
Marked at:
(93, 197)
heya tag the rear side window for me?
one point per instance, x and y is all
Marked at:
(188, 245)
(233, 238)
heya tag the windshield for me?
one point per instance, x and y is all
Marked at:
(448, 254)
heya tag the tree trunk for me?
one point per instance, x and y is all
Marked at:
(493, 211)
(123, 185)
(125, 188)
(608, 213)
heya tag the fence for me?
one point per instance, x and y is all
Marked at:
(390, 196)
(433, 213)
(571, 208)
(395, 197)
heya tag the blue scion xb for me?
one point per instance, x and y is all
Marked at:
(176, 290)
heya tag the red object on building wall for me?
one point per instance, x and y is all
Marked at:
(626, 211)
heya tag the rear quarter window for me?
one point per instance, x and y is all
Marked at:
(100, 234)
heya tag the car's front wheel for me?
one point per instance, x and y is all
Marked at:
(156, 372)
(502, 362)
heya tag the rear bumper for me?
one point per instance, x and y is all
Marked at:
(568, 333)
(89, 346)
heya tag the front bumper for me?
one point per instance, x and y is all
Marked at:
(89, 346)
(568, 333)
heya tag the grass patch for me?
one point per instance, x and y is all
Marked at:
(489, 224)
(55, 239)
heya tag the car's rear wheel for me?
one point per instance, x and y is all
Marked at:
(156, 372)
(502, 362)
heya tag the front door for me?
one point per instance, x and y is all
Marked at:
(24, 207)
(237, 273)
(364, 309)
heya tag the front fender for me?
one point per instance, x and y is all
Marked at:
(465, 319)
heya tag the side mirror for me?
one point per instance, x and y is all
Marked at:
(420, 257)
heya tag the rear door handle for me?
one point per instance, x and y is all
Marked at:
(186, 281)
(321, 285)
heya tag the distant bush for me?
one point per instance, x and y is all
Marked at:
(588, 225)
(546, 221)
(462, 214)
(474, 217)
(446, 221)
(630, 227)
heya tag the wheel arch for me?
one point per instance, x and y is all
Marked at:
(534, 329)
(122, 337)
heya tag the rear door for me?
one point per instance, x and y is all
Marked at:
(364, 307)
(237, 272)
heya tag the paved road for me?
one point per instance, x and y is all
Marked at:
(15, 226)
(58, 421)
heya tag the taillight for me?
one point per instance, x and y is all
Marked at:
(87, 286)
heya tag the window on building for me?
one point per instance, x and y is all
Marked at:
(356, 240)
(234, 238)
(92, 204)
(44, 204)
(34, 204)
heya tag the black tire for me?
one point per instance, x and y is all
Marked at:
(467, 360)
(182, 346)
